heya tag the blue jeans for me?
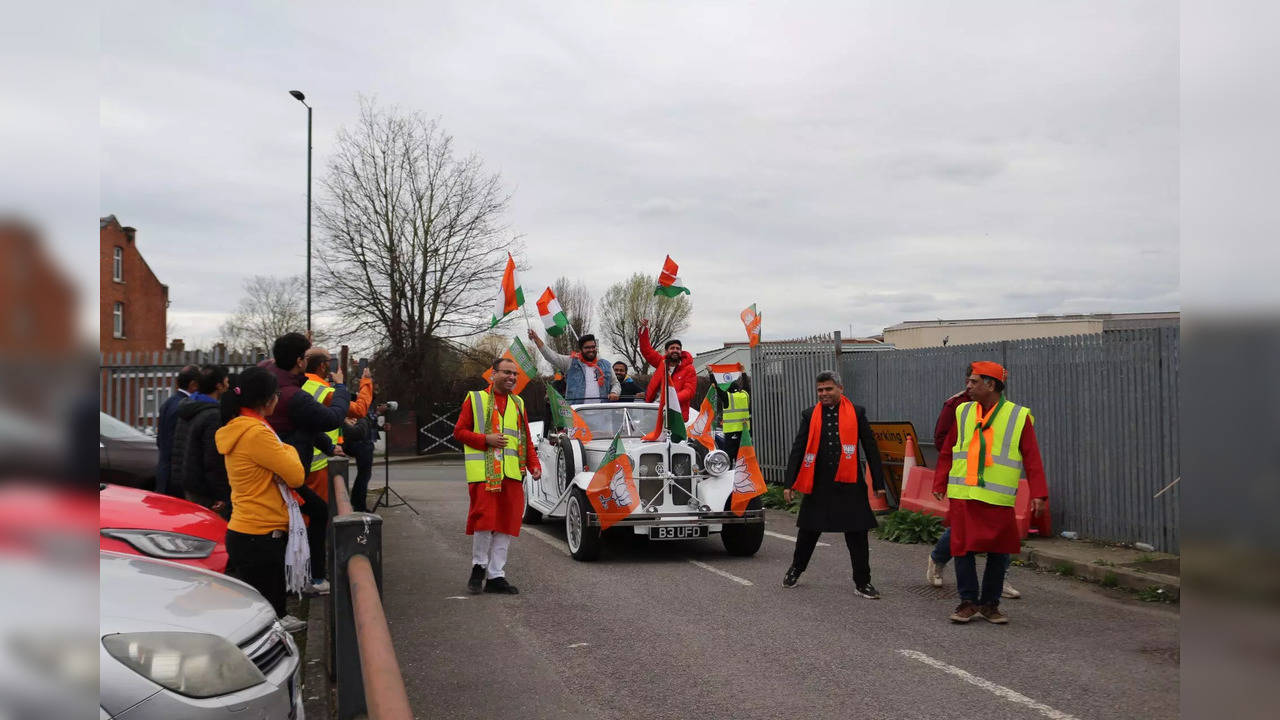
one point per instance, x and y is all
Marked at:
(941, 552)
(992, 578)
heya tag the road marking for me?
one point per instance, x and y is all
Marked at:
(557, 544)
(788, 538)
(578, 645)
(997, 690)
(721, 573)
(456, 597)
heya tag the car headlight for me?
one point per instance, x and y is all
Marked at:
(162, 544)
(716, 462)
(197, 665)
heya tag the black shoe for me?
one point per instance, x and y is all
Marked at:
(867, 590)
(791, 578)
(477, 576)
(500, 585)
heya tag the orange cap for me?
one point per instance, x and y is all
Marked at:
(990, 369)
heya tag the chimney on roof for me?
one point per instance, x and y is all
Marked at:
(176, 345)
(129, 233)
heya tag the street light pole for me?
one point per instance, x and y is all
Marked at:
(303, 99)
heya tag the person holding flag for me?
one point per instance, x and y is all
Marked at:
(674, 363)
(499, 451)
(588, 378)
(824, 467)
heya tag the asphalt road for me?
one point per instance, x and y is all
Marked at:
(680, 629)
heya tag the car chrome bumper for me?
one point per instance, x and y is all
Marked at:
(748, 517)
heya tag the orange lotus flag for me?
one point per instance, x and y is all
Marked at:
(748, 481)
(701, 429)
(751, 319)
(566, 418)
(612, 490)
(526, 366)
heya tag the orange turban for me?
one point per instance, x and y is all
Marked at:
(990, 369)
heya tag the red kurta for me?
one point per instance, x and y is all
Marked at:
(494, 511)
(977, 526)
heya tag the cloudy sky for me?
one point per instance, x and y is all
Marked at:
(843, 165)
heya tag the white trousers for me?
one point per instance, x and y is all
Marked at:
(489, 550)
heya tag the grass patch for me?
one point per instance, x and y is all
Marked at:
(1145, 558)
(1152, 593)
(1110, 580)
(1065, 569)
(773, 499)
(907, 526)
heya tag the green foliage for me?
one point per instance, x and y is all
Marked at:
(772, 498)
(1065, 569)
(1110, 580)
(1152, 593)
(1145, 558)
(907, 526)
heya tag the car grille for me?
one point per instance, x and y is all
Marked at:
(648, 481)
(682, 465)
(267, 649)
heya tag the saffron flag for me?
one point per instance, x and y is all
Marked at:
(701, 429)
(612, 490)
(566, 418)
(510, 294)
(725, 375)
(669, 415)
(751, 319)
(669, 284)
(526, 366)
(748, 481)
(553, 317)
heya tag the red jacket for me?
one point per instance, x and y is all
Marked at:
(683, 377)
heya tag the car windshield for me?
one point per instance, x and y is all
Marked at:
(606, 421)
(117, 430)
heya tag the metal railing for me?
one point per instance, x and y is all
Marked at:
(361, 657)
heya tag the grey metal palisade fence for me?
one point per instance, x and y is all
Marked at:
(133, 385)
(1106, 409)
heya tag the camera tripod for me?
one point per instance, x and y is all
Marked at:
(384, 499)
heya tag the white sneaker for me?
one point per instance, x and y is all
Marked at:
(317, 587)
(1010, 592)
(933, 573)
(292, 624)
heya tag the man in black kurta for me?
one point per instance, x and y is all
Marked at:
(831, 505)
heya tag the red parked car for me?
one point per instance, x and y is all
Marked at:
(157, 525)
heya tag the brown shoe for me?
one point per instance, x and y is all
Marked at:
(992, 614)
(964, 613)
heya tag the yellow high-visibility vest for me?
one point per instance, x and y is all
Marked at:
(513, 462)
(737, 417)
(321, 392)
(1000, 478)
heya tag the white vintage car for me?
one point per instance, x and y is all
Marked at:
(684, 490)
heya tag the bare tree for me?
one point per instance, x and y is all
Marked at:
(577, 303)
(411, 243)
(628, 302)
(271, 306)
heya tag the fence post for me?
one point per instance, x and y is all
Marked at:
(338, 467)
(354, 534)
(836, 365)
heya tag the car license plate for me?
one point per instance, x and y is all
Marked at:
(678, 532)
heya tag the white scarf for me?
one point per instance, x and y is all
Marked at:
(297, 553)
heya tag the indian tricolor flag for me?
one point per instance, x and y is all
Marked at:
(669, 415)
(669, 284)
(748, 481)
(553, 317)
(702, 427)
(725, 374)
(510, 294)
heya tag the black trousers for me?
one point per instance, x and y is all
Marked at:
(259, 561)
(316, 511)
(859, 552)
(363, 453)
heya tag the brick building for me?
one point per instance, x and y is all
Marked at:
(134, 303)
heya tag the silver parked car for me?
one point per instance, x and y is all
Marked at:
(183, 642)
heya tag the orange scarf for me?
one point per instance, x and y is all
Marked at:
(847, 470)
(981, 441)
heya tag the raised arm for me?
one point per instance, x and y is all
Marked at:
(558, 361)
(651, 356)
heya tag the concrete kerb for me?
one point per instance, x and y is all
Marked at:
(316, 688)
(1100, 563)
(434, 459)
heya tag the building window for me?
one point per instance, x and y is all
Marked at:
(117, 264)
(117, 320)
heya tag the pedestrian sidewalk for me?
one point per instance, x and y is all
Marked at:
(1106, 564)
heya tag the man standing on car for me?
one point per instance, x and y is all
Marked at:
(166, 422)
(675, 361)
(824, 467)
(495, 430)
(588, 377)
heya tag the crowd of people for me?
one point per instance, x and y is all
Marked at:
(254, 447)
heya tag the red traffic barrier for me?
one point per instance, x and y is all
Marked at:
(917, 493)
(1029, 524)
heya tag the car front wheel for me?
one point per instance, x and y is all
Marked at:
(584, 540)
(744, 540)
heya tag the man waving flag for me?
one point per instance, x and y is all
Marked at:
(612, 490)
(748, 481)
(553, 317)
(510, 294)
(669, 284)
